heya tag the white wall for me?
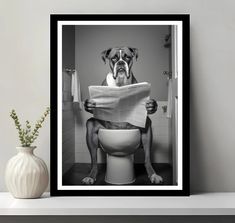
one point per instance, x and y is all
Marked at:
(24, 59)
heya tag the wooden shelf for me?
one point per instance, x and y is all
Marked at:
(201, 204)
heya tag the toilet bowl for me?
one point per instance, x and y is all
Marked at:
(120, 146)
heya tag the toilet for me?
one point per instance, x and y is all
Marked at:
(120, 146)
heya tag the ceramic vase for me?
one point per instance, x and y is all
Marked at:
(26, 175)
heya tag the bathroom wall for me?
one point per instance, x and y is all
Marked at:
(68, 118)
(161, 148)
(153, 59)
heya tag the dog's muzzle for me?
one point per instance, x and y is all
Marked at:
(121, 69)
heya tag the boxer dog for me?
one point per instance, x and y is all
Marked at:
(120, 61)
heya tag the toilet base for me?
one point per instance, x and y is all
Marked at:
(120, 169)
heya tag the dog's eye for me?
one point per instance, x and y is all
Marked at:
(114, 59)
(127, 57)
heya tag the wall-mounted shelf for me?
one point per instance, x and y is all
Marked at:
(201, 204)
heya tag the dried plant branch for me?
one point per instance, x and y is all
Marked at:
(27, 136)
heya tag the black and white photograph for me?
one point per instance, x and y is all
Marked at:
(119, 86)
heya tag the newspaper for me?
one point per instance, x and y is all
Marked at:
(121, 104)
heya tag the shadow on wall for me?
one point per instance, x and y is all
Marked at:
(79, 120)
(68, 124)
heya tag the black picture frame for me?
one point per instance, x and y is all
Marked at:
(184, 20)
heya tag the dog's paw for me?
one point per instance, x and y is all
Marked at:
(156, 179)
(88, 180)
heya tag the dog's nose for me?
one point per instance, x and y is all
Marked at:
(121, 63)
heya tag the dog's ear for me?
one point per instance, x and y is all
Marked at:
(105, 54)
(134, 52)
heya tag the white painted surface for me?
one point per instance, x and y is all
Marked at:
(203, 204)
(24, 60)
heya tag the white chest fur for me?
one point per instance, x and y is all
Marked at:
(110, 80)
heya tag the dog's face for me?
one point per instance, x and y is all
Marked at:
(120, 61)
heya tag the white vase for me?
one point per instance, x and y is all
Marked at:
(26, 175)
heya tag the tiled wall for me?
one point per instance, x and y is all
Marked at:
(81, 151)
(161, 149)
(162, 146)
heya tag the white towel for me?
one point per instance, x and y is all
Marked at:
(169, 103)
(75, 89)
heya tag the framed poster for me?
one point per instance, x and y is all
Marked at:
(119, 105)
